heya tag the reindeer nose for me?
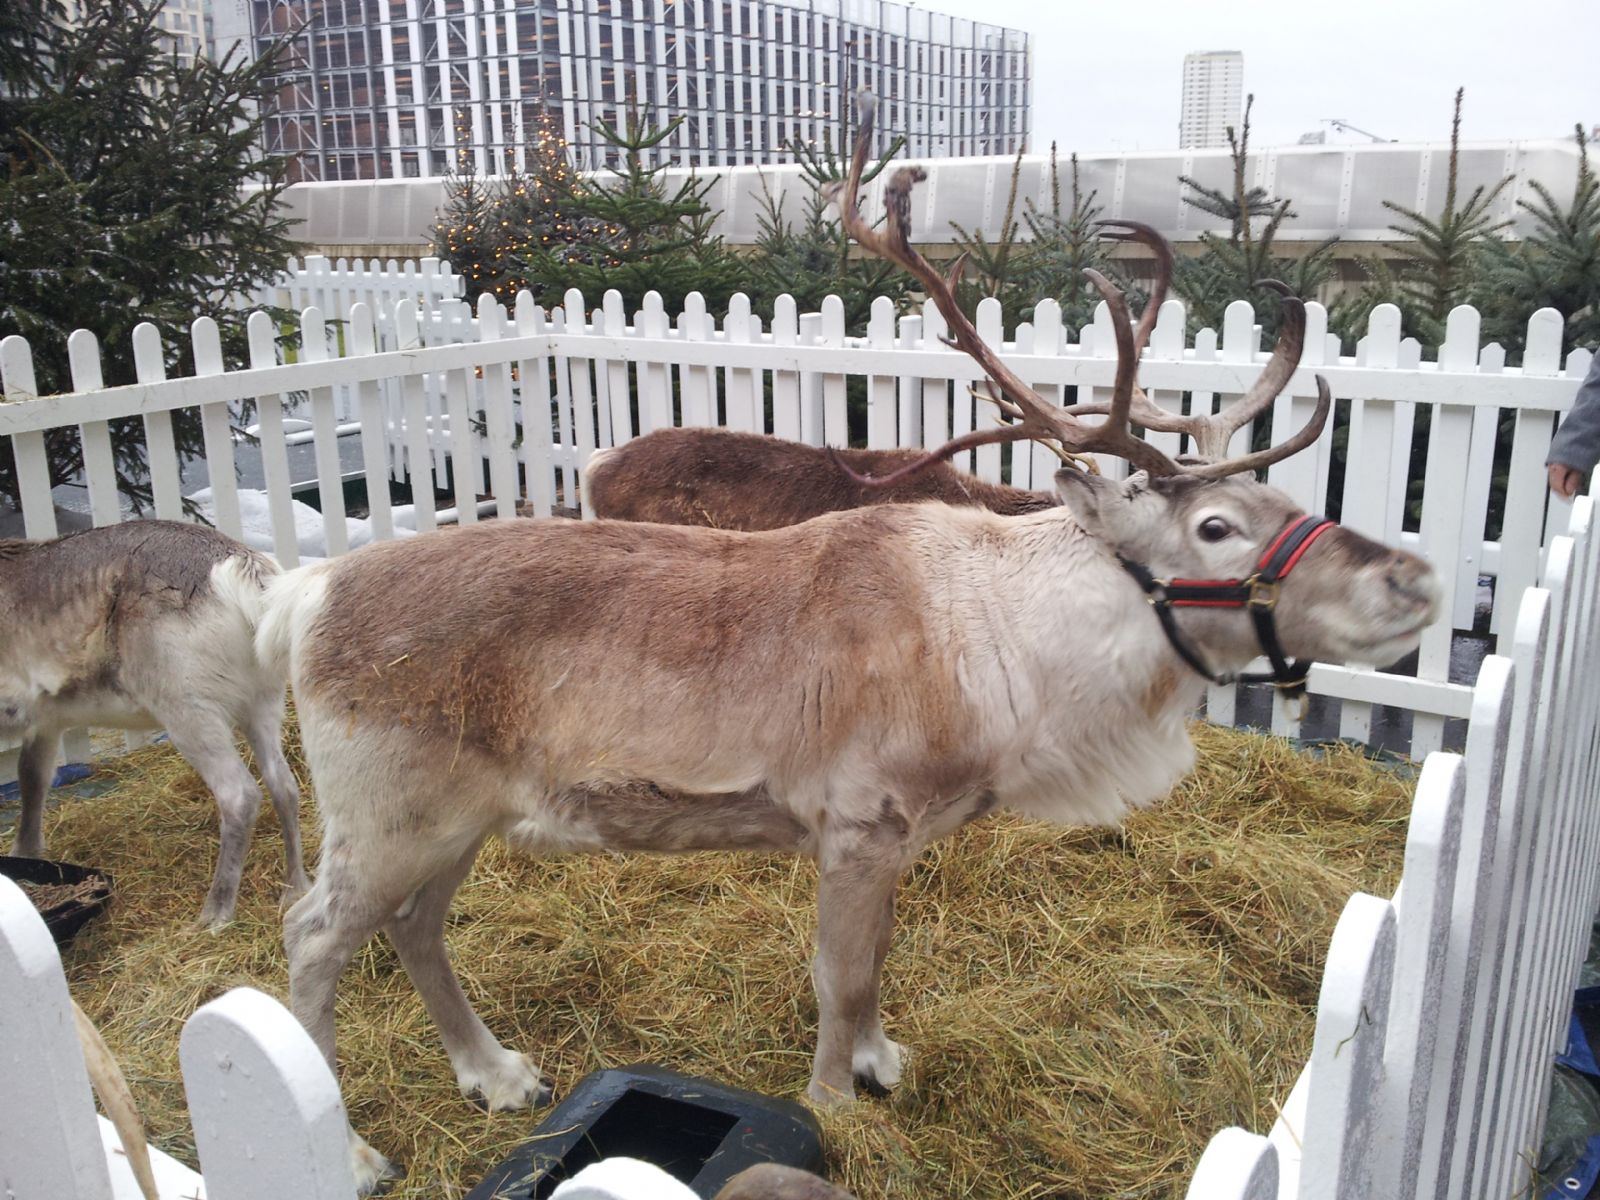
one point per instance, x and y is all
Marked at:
(1411, 579)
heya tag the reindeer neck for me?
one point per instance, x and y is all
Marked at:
(1058, 607)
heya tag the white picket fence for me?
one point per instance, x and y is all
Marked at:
(1442, 1008)
(510, 419)
(268, 1120)
(335, 286)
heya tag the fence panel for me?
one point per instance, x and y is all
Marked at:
(1422, 938)
(1347, 1054)
(52, 1143)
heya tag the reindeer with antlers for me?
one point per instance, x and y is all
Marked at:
(851, 688)
(700, 475)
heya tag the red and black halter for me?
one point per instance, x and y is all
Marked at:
(1258, 593)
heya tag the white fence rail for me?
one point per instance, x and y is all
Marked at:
(507, 421)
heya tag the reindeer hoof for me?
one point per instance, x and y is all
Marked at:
(511, 1083)
(878, 1066)
(374, 1173)
(823, 1095)
(213, 920)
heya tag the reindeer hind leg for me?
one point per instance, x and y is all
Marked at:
(35, 768)
(488, 1073)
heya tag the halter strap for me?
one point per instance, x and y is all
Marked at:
(1258, 593)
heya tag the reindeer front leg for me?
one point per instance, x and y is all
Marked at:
(858, 870)
(875, 1060)
(36, 767)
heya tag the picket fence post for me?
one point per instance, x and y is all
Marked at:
(51, 1144)
(268, 1120)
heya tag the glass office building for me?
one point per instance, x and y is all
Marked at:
(375, 89)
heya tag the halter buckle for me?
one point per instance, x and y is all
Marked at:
(1263, 593)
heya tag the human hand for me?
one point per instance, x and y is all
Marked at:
(1564, 480)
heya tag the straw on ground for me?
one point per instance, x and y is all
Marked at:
(1085, 1007)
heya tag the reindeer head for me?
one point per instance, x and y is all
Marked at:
(1344, 598)
(1230, 565)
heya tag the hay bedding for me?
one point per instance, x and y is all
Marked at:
(1085, 1007)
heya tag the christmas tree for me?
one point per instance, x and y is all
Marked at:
(121, 177)
(634, 236)
(539, 212)
(1228, 269)
(1440, 257)
(1062, 249)
(990, 268)
(469, 233)
(814, 260)
(1556, 266)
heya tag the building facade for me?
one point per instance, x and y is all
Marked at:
(1213, 98)
(375, 89)
(188, 22)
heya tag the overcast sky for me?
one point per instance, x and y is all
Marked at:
(1107, 72)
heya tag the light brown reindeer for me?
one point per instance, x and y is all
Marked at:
(851, 688)
(147, 625)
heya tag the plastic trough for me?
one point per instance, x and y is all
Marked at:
(700, 1132)
(63, 920)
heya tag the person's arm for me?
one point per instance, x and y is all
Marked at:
(1576, 447)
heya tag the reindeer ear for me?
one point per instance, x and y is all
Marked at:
(1100, 504)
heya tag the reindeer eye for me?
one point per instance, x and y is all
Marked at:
(1214, 529)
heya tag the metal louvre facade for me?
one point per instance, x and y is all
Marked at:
(393, 89)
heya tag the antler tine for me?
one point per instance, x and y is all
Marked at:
(967, 441)
(1255, 460)
(1149, 237)
(1115, 436)
(1211, 434)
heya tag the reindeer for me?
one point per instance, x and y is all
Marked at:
(147, 625)
(696, 475)
(851, 688)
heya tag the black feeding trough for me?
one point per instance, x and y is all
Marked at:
(65, 895)
(699, 1132)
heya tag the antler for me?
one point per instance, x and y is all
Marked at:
(1033, 417)
(1210, 432)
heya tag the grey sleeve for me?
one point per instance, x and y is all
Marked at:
(1577, 442)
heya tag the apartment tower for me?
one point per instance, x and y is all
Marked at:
(1213, 98)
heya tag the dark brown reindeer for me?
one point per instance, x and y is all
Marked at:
(697, 475)
(724, 479)
(851, 688)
